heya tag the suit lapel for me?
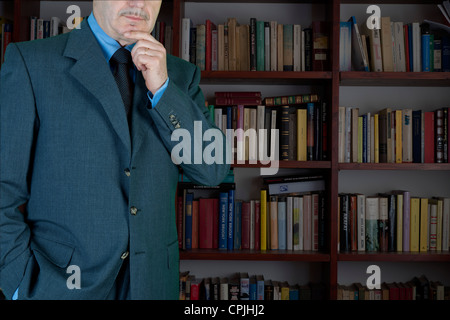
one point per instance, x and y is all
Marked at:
(93, 72)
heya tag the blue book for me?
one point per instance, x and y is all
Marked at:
(446, 53)
(188, 220)
(253, 288)
(230, 237)
(426, 52)
(417, 136)
(345, 46)
(293, 292)
(364, 140)
(260, 287)
(282, 223)
(237, 224)
(223, 221)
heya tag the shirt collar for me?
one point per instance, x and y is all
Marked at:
(108, 45)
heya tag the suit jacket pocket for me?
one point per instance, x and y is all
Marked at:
(56, 252)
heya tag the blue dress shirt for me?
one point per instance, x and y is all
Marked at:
(109, 46)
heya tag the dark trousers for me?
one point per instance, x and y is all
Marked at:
(121, 287)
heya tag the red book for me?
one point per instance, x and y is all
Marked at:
(320, 47)
(215, 223)
(237, 94)
(405, 32)
(429, 137)
(195, 289)
(195, 224)
(210, 26)
(257, 225)
(206, 223)
(394, 293)
(245, 220)
(247, 101)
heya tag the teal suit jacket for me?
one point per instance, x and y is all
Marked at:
(93, 187)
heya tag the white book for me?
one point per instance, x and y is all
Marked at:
(400, 46)
(416, 38)
(273, 45)
(185, 38)
(361, 217)
(446, 224)
(297, 47)
(55, 23)
(218, 118)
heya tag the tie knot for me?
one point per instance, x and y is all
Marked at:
(122, 56)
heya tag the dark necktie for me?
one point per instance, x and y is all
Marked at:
(122, 62)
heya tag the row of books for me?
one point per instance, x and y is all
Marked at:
(43, 28)
(256, 46)
(6, 28)
(393, 136)
(393, 46)
(241, 286)
(290, 215)
(301, 127)
(418, 288)
(393, 222)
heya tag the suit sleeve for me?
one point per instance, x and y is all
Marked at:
(204, 162)
(18, 129)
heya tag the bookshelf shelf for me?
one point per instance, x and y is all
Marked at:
(420, 79)
(396, 256)
(394, 166)
(266, 77)
(287, 164)
(270, 255)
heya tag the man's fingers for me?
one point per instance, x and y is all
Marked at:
(139, 35)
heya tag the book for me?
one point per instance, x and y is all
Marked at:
(372, 229)
(358, 58)
(320, 54)
(345, 46)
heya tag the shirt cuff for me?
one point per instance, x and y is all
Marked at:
(154, 98)
(15, 295)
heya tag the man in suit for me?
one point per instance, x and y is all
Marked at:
(87, 181)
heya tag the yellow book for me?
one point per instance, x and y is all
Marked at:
(263, 219)
(376, 147)
(301, 134)
(440, 204)
(398, 136)
(423, 224)
(285, 291)
(414, 224)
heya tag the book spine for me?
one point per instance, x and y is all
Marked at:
(439, 134)
(223, 221)
(284, 134)
(344, 222)
(253, 52)
(263, 219)
(281, 223)
(260, 44)
(230, 219)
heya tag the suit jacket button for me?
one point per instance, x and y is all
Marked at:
(133, 211)
(127, 172)
(124, 255)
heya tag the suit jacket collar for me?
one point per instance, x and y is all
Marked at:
(93, 72)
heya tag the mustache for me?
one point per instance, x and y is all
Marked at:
(134, 12)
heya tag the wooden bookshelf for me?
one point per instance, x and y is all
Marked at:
(330, 82)
(251, 255)
(442, 256)
(394, 166)
(417, 79)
